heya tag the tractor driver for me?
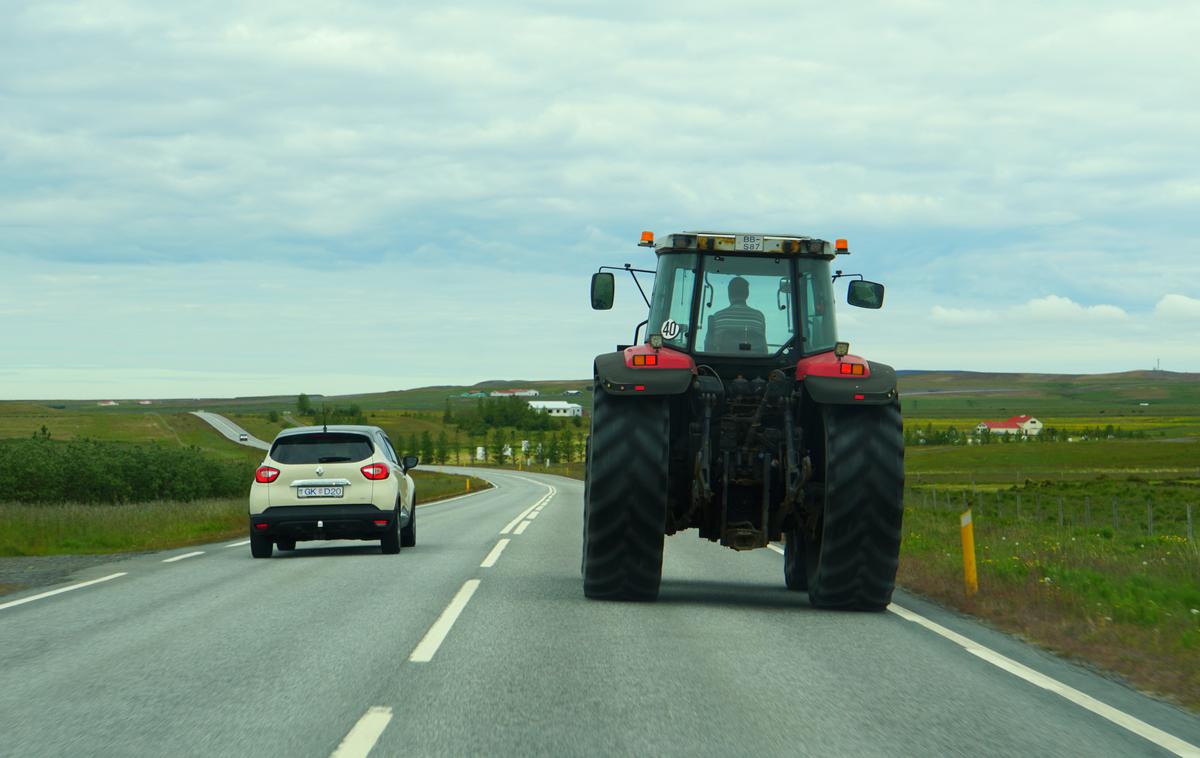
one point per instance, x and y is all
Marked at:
(738, 328)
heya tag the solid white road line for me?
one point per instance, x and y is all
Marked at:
(494, 556)
(522, 527)
(362, 738)
(59, 591)
(517, 520)
(1120, 718)
(775, 547)
(429, 644)
(238, 544)
(181, 557)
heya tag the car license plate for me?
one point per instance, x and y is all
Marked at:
(749, 242)
(318, 492)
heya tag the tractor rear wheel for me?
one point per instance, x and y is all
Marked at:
(625, 500)
(853, 557)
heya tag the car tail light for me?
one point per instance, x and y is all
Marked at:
(261, 526)
(266, 474)
(375, 471)
(381, 522)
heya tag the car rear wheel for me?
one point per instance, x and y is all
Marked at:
(408, 535)
(261, 545)
(390, 544)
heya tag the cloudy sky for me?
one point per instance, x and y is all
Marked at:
(232, 198)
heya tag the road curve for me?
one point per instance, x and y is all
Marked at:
(479, 641)
(231, 430)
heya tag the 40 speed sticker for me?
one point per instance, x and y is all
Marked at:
(670, 329)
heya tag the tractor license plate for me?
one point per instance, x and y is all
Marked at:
(749, 242)
(318, 492)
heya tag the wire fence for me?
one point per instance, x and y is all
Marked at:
(1148, 516)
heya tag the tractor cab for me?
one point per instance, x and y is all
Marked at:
(725, 298)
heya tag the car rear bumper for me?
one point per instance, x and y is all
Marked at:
(323, 522)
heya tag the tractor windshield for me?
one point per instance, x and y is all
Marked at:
(748, 305)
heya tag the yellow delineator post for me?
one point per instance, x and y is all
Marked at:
(468, 484)
(968, 542)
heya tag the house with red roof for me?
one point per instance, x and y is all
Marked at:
(1026, 426)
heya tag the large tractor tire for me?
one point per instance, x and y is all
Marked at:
(853, 557)
(625, 497)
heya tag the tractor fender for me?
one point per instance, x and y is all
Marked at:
(619, 379)
(877, 389)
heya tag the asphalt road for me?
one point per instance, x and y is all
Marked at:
(431, 653)
(231, 430)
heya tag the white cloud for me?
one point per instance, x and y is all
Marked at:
(961, 316)
(1178, 308)
(1057, 308)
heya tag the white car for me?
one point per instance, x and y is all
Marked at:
(243, 437)
(332, 483)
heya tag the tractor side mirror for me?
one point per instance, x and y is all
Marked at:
(865, 294)
(603, 288)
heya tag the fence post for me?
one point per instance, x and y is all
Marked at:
(1087, 511)
(1150, 516)
(1114, 507)
(1060, 513)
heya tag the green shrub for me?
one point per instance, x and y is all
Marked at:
(42, 470)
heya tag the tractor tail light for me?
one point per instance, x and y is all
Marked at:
(645, 360)
(375, 471)
(266, 474)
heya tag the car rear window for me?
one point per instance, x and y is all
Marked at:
(322, 447)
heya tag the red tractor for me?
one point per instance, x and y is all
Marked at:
(742, 416)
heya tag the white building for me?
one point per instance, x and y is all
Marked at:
(1026, 426)
(515, 393)
(558, 408)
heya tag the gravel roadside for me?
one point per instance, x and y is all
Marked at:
(26, 572)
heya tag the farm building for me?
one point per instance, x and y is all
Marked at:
(1026, 426)
(515, 393)
(560, 408)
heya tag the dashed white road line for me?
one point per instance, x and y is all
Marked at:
(775, 547)
(359, 741)
(1120, 718)
(522, 527)
(494, 556)
(59, 591)
(517, 520)
(551, 491)
(533, 515)
(238, 544)
(429, 644)
(181, 557)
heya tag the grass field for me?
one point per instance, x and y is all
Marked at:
(1124, 601)
(97, 529)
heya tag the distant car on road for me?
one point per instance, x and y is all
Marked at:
(332, 482)
(243, 437)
